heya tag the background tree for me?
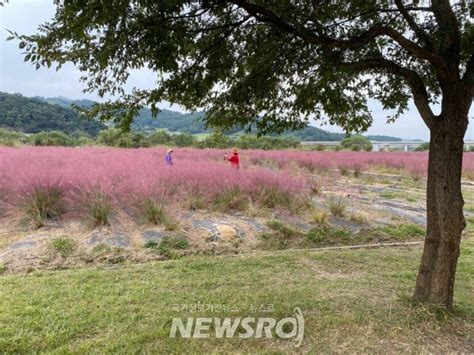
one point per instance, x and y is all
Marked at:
(289, 61)
(356, 143)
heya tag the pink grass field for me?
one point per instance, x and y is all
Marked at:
(126, 175)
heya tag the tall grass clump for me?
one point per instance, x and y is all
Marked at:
(337, 205)
(40, 203)
(154, 212)
(232, 198)
(98, 206)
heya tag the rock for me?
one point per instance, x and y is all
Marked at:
(112, 239)
(23, 244)
(353, 227)
(259, 227)
(154, 235)
(225, 231)
(207, 224)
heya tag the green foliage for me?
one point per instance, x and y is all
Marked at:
(216, 140)
(31, 115)
(357, 143)
(292, 71)
(63, 246)
(10, 138)
(159, 137)
(168, 246)
(423, 147)
(51, 138)
(115, 137)
(183, 140)
(151, 244)
(248, 141)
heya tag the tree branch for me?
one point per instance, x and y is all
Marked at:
(418, 89)
(413, 25)
(469, 74)
(263, 14)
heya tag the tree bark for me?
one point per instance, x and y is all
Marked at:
(445, 219)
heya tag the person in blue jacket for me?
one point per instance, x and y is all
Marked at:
(169, 158)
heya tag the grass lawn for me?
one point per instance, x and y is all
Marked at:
(352, 300)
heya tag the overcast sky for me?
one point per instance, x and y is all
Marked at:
(23, 16)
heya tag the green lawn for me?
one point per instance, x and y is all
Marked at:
(352, 300)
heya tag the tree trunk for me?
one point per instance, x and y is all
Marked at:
(445, 219)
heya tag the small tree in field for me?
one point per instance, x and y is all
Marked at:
(288, 61)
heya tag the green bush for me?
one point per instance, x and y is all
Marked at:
(159, 137)
(114, 137)
(183, 140)
(357, 143)
(10, 138)
(216, 140)
(51, 138)
(423, 147)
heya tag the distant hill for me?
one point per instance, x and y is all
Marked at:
(32, 115)
(65, 102)
(54, 113)
(192, 123)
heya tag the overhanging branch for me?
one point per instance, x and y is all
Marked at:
(264, 14)
(418, 89)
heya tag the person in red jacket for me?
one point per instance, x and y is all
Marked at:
(234, 159)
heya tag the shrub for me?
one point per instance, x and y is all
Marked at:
(63, 246)
(41, 203)
(51, 138)
(356, 143)
(160, 137)
(337, 205)
(183, 140)
(115, 137)
(10, 138)
(216, 140)
(423, 147)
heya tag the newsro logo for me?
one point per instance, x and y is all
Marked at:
(249, 327)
